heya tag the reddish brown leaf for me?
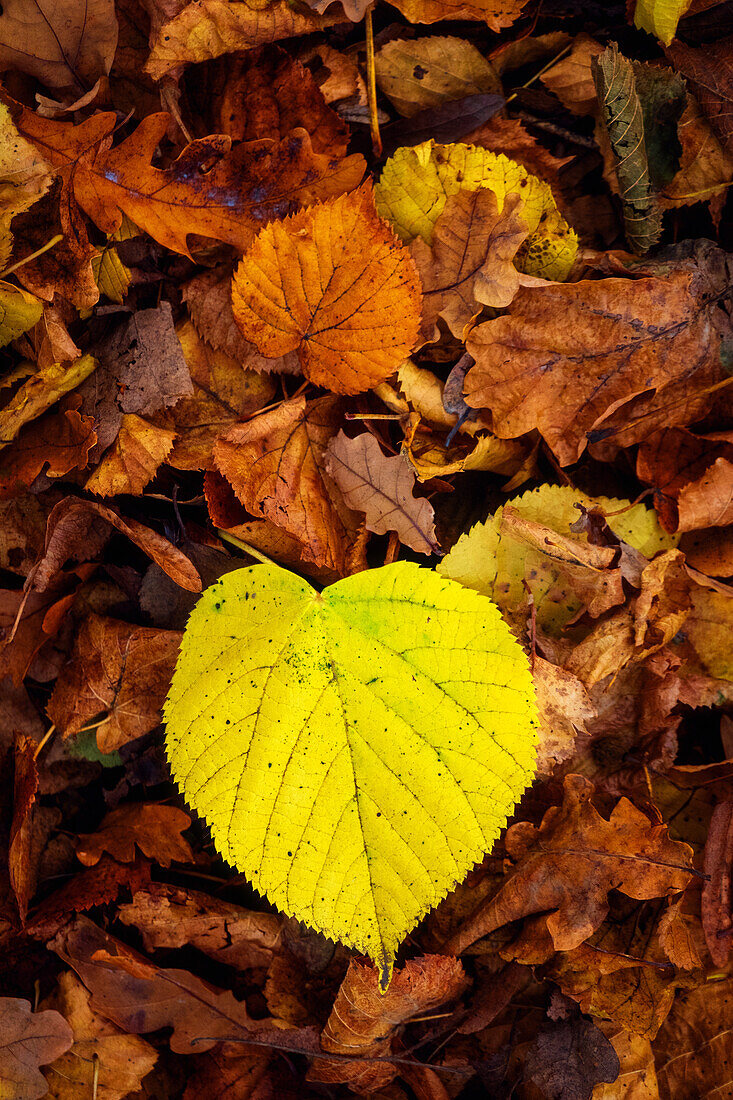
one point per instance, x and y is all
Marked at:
(154, 829)
(710, 73)
(22, 865)
(717, 893)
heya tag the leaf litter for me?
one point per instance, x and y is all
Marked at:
(333, 287)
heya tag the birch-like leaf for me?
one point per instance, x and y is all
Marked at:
(354, 752)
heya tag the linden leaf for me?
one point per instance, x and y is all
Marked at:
(354, 752)
(499, 564)
(416, 183)
(332, 283)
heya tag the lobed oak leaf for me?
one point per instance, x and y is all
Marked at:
(416, 183)
(269, 94)
(332, 284)
(569, 865)
(168, 916)
(102, 1056)
(470, 263)
(276, 464)
(427, 72)
(382, 487)
(28, 1040)
(117, 670)
(133, 459)
(364, 1020)
(206, 29)
(650, 341)
(78, 529)
(228, 201)
(55, 444)
(72, 46)
(154, 829)
(138, 996)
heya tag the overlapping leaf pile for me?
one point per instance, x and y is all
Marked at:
(463, 299)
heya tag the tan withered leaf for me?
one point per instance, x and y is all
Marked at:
(72, 44)
(694, 1048)
(118, 671)
(78, 529)
(169, 916)
(717, 919)
(573, 860)
(29, 1040)
(333, 284)
(692, 476)
(119, 1061)
(276, 464)
(228, 201)
(132, 460)
(270, 94)
(139, 997)
(154, 829)
(564, 707)
(364, 1021)
(22, 866)
(566, 355)
(210, 28)
(382, 487)
(470, 262)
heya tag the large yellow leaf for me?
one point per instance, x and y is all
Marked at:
(494, 562)
(332, 284)
(416, 183)
(354, 752)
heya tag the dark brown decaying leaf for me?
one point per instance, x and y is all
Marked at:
(569, 1058)
(717, 899)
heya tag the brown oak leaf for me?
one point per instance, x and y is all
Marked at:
(155, 829)
(29, 1040)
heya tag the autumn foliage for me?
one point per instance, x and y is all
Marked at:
(336, 286)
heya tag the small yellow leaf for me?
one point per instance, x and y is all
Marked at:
(333, 284)
(660, 17)
(111, 275)
(41, 391)
(354, 752)
(499, 565)
(416, 183)
(19, 311)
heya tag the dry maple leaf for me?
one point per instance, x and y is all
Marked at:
(117, 670)
(246, 185)
(382, 488)
(102, 1056)
(276, 464)
(363, 1020)
(335, 285)
(154, 829)
(571, 862)
(566, 355)
(28, 1040)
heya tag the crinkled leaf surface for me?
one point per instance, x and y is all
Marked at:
(416, 183)
(354, 752)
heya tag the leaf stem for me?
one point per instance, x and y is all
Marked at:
(34, 255)
(372, 84)
(242, 545)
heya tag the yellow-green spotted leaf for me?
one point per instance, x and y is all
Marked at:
(416, 183)
(356, 751)
(660, 17)
(19, 311)
(503, 567)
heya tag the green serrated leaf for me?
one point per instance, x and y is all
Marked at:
(354, 752)
(623, 118)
